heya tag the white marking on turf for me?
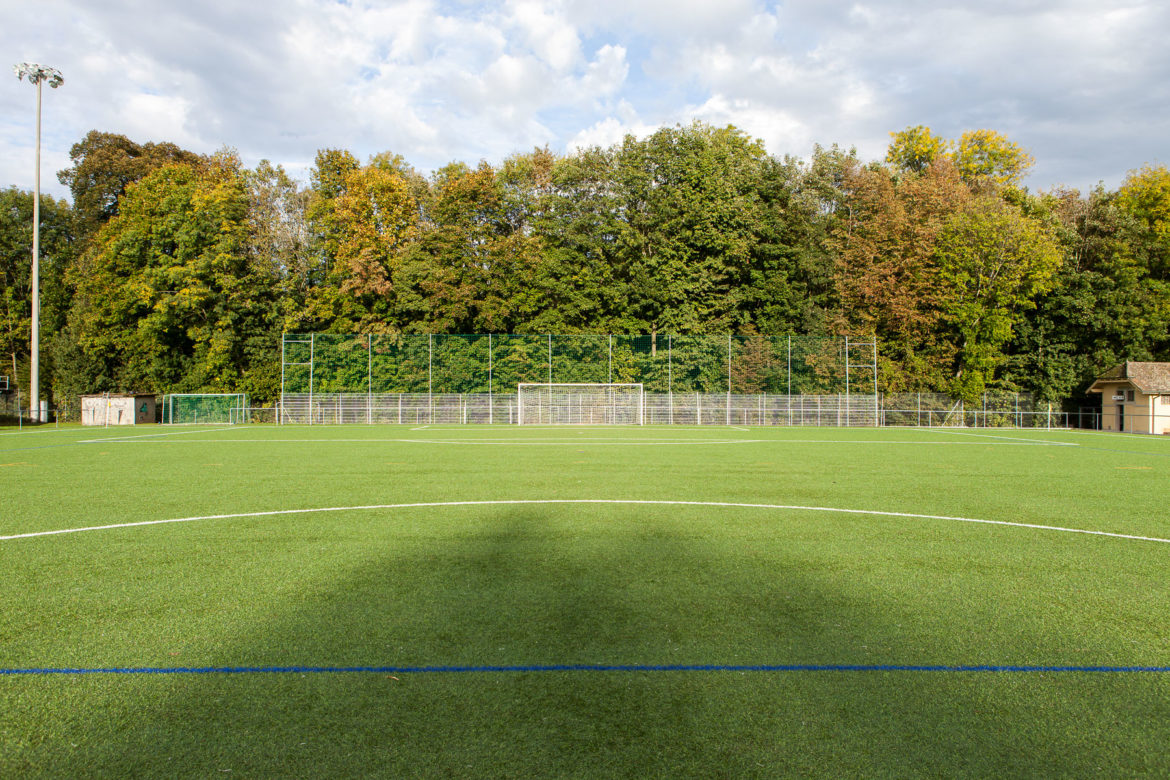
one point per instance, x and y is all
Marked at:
(999, 437)
(618, 501)
(139, 437)
(580, 442)
(31, 430)
(502, 442)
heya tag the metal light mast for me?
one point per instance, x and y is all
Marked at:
(37, 74)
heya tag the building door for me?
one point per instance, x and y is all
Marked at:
(1121, 417)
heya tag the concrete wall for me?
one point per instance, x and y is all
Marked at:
(117, 409)
(144, 409)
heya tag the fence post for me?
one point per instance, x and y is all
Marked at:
(670, 377)
(280, 415)
(729, 379)
(312, 356)
(846, 366)
(878, 411)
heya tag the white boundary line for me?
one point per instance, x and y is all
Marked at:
(620, 501)
(566, 442)
(32, 431)
(137, 437)
(498, 442)
(997, 437)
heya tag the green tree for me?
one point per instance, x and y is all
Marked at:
(1104, 306)
(445, 268)
(985, 156)
(691, 205)
(1145, 196)
(993, 261)
(104, 165)
(360, 218)
(791, 289)
(575, 279)
(58, 246)
(982, 157)
(915, 149)
(167, 300)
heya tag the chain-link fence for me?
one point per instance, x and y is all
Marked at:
(16, 414)
(460, 364)
(658, 409)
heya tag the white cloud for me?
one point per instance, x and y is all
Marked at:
(549, 35)
(1086, 88)
(607, 73)
(612, 129)
(158, 116)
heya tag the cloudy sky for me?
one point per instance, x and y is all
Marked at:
(1082, 84)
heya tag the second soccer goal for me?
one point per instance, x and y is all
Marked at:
(579, 404)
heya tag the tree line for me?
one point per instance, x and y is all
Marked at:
(177, 272)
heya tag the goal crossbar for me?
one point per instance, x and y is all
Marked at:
(579, 403)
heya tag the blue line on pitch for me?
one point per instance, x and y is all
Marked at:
(582, 668)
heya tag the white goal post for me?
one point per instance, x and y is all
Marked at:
(580, 403)
(208, 408)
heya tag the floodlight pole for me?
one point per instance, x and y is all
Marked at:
(37, 74)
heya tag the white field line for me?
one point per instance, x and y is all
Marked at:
(32, 431)
(581, 442)
(501, 442)
(615, 501)
(138, 437)
(997, 437)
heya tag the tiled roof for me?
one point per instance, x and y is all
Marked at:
(1147, 377)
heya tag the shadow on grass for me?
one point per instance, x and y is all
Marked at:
(527, 586)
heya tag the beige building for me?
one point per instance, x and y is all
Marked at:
(1135, 398)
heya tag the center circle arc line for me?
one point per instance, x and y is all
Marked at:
(585, 501)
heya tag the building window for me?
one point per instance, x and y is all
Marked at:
(1129, 395)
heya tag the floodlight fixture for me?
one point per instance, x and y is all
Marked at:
(37, 74)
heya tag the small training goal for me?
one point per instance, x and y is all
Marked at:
(205, 408)
(579, 404)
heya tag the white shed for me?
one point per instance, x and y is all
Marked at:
(117, 409)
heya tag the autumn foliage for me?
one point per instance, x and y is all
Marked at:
(173, 271)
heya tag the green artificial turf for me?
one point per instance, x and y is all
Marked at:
(589, 584)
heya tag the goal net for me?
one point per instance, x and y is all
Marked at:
(205, 408)
(579, 404)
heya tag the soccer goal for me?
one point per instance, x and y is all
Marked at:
(205, 408)
(579, 404)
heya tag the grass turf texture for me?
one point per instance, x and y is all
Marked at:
(536, 584)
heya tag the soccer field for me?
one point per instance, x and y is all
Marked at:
(498, 601)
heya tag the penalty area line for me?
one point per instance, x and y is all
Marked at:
(514, 669)
(602, 501)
